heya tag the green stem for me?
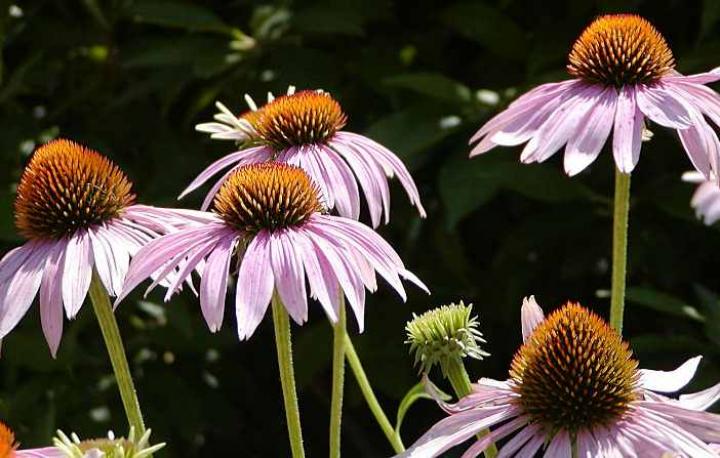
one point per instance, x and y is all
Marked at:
(460, 382)
(619, 258)
(113, 342)
(338, 380)
(281, 320)
(370, 398)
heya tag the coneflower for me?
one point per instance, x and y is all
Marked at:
(305, 129)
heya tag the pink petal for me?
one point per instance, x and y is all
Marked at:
(664, 107)
(18, 291)
(627, 138)
(702, 146)
(222, 163)
(213, 286)
(500, 433)
(46, 452)
(701, 400)
(669, 381)
(51, 304)
(326, 292)
(289, 275)
(254, 286)
(583, 148)
(77, 272)
(456, 429)
(699, 78)
(347, 196)
(531, 315)
(560, 125)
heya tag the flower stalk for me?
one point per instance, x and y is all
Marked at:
(619, 257)
(281, 321)
(370, 398)
(338, 380)
(118, 359)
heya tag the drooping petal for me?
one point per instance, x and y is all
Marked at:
(45, 452)
(18, 291)
(77, 272)
(560, 125)
(560, 446)
(627, 136)
(699, 78)
(663, 106)
(254, 286)
(238, 157)
(496, 435)
(51, 302)
(583, 147)
(289, 275)
(213, 285)
(326, 292)
(341, 180)
(669, 381)
(701, 400)
(519, 440)
(455, 429)
(531, 315)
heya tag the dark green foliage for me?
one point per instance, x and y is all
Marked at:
(131, 78)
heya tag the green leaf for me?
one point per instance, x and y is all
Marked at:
(186, 16)
(415, 393)
(488, 26)
(433, 85)
(410, 131)
(467, 184)
(663, 302)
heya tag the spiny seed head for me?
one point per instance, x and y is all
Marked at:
(7, 442)
(445, 333)
(302, 118)
(620, 49)
(67, 187)
(270, 196)
(574, 372)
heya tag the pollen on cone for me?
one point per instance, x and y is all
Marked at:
(619, 49)
(66, 187)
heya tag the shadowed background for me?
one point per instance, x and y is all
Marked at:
(132, 78)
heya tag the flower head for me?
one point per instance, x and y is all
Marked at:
(575, 380)
(268, 219)
(444, 333)
(305, 129)
(107, 447)
(77, 210)
(623, 75)
(7, 442)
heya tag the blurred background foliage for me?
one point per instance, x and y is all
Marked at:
(131, 78)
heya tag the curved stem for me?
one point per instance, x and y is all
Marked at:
(113, 342)
(281, 321)
(619, 258)
(460, 382)
(338, 380)
(370, 398)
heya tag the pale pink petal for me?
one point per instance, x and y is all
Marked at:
(560, 125)
(669, 381)
(531, 447)
(560, 446)
(213, 285)
(456, 429)
(18, 291)
(15, 258)
(104, 261)
(584, 147)
(77, 272)
(514, 444)
(289, 275)
(254, 286)
(341, 181)
(664, 106)
(701, 400)
(627, 138)
(699, 78)
(46, 452)
(498, 434)
(531, 315)
(51, 304)
(326, 294)
(234, 158)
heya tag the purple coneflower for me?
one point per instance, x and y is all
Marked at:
(269, 218)
(305, 129)
(574, 381)
(706, 199)
(624, 72)
(78, 213)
